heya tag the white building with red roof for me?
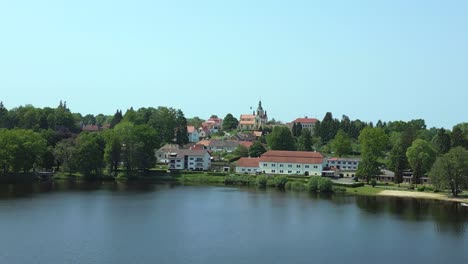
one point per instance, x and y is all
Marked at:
(193, 134)
(248, 166)
(292, 163)
(305, 122)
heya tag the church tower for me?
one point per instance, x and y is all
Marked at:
(261, 117)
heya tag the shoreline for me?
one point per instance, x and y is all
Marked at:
(421, 195)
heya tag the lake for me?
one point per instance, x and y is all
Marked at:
(67, 222)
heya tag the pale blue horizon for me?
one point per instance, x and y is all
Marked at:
(391, 60)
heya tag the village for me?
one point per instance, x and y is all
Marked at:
(207, 151)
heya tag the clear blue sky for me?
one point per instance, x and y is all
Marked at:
(389, 60)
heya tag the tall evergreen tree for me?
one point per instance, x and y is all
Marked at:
(181, 129)
(442, 142)
(116, 119)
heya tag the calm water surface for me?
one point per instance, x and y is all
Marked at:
(65, 222)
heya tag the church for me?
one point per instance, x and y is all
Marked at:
(258, 119)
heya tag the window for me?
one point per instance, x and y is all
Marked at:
(191, 158)
(281, 171)
(339, 162)
(243, 169)
(248, 170)
(298, 166)
(273, 165)
(265, 164)
(281, 165)
(289, 166)
(298, 172)
(289, 171)
(306, 166)
(273, 171)
(315, 166)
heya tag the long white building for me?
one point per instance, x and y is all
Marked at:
(292, 163)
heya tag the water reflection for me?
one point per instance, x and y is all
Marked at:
(448, 218)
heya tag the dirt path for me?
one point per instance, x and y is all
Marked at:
(436, 196)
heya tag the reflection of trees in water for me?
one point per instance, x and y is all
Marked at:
(448, 217)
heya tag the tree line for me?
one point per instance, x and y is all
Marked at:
(33, 139)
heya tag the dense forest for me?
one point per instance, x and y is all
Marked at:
(33, 139)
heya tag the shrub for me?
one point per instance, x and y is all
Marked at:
(338, 189)
(280, 181)
(421, 188)
(373, 182)
(312, 185)
(429, 189)
(295, 186)
(262, 181)
(325, 185)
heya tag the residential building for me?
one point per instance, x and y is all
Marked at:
(188, 159)
(193, 134)
(256, 120)
(203, 132)
(305, 122)
(292, 163)
(341, 167)
(214, 124)
(248, 165)
(223, 145)
(162, 154)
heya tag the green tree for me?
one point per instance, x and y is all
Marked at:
(195, 121)
(3, 116)
(420, 156)
(341, 144)
(241, 151)
(398, 160)
(373, 142)
(230, 122)
(181, 129)
(112, 150)
(451, 171)
(281, 139)
(458, 138)
(116, 119)
(257, 149)
(22, 149)
(63, 152)
(442, 142)
(89, 154)
(304, 142)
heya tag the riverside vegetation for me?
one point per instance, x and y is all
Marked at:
(51, 139)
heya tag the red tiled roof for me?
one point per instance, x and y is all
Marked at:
(305, 120)
(246, 144)
(90, 128)
(258, 133)
(292, 157)
(204, 142)
(190, 129)
(247, 122)
(248, 162)
(247, 117)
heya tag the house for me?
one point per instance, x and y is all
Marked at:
(341, 167)
(203, 132)
(162, 154)
(193, 134)
(248, 165)
(188, 159)
(91, 128)
(305, 122)
(258, 119)
(292, 163)
(223, 145)
(214, 124)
